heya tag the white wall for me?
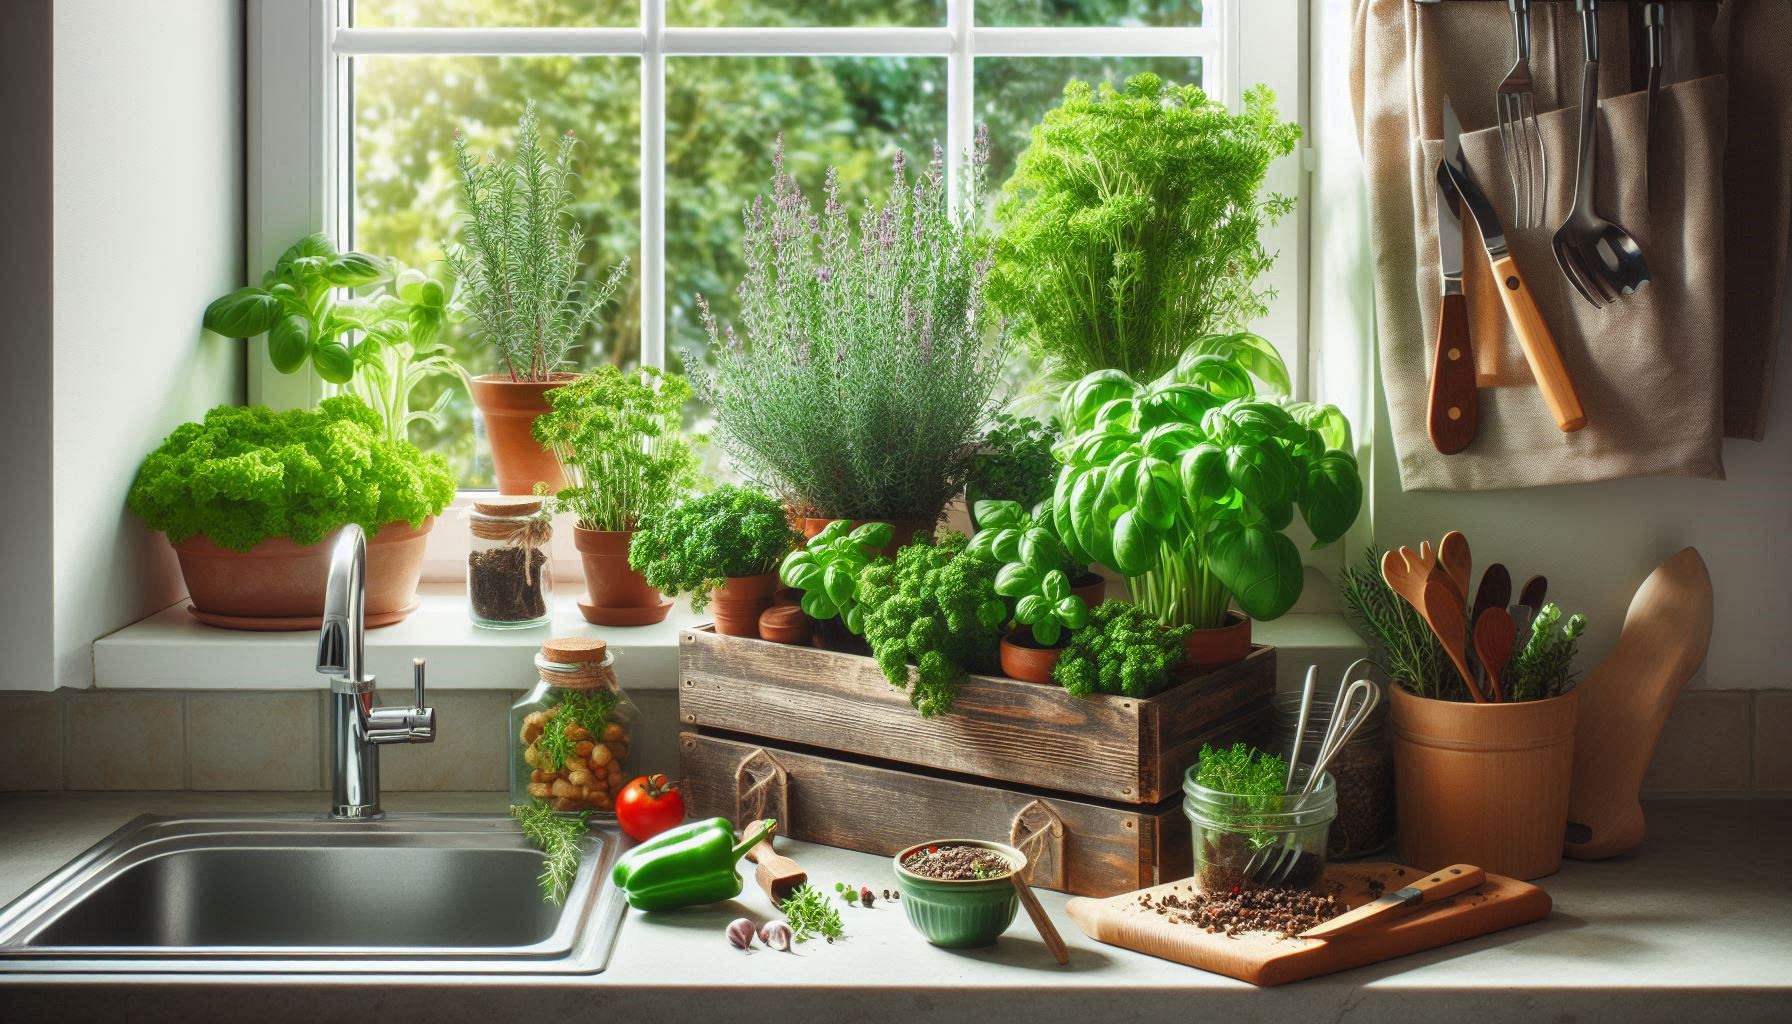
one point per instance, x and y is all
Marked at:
(1595, 542)
(147, 207)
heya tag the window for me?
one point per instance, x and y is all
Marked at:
(677, 104)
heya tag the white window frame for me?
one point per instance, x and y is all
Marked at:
(299, 54)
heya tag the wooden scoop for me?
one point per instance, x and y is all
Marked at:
(778, 875)
(1047, 930)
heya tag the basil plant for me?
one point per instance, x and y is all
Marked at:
(1032, 573)
(1186, 484)
(295, 306)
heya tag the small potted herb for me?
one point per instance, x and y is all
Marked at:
(849, 329)
(825, 572)
(251, 500)
(1121, 650)
(1458, 763)
(1033, 579)
(1185, 486)
(519, 260)
(617, 437)
(724, 547)
(936, 608)
(1246, 830)
(957, 892)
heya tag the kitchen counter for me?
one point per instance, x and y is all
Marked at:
(1696, 926)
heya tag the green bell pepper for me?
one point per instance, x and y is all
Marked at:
(686, 866)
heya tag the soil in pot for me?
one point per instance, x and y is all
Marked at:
(738, 603)
(1210, 649)
(505, 584)
(1224, 856)
(1091, 587)
(509, 408)
(903, 535)
(1023, 658)
(784, 624)
(958, 863)
(615, 593)
(278, 585)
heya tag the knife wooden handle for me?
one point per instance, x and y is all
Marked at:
(1455, 405)
(1539, 347)
(1430, 889)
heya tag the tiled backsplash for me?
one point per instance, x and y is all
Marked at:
(1717, 741)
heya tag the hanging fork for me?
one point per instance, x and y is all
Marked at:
(1527, 161)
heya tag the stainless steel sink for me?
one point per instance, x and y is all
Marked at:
(424, 894)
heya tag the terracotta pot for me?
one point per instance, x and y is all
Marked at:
(1024, 659)
(1210, 649)
(510, 407)
(905, 530)
(1483, 784)
(279, 585)
(787, 595)
(615, 594)
(737, 604)
(1091, 587)
(832, 635)
(784, 624)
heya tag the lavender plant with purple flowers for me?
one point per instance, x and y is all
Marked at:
(869, 362)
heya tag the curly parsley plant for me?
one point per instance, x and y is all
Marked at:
(697, 544)
(935, 606)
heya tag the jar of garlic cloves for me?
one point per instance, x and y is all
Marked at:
(569, 735)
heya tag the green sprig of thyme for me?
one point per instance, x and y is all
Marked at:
(809, 913)
(558, 838)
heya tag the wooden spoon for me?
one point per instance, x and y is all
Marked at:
(1047, 930)
(1625, 700)
(1443, 609)
(1402, 580)
(1453, 553)
(777, 874)
(1494, 634)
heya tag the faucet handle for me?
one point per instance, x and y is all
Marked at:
(417, 682)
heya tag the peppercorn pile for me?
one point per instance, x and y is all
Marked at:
(1284, 912)
(958, 863)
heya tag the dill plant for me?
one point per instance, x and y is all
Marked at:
(1131, 224)
(866, 361)
(518, 259)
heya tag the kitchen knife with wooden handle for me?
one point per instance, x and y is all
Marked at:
(1430, 889)
(1534, 336)
(1454, 411)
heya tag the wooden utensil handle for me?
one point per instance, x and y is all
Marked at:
(1539, 347)
(1047, 930)
(1448, 882)
(1455, 408)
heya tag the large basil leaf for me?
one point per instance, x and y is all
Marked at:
(334, 362)
(838, 581)
(353, 269)
(1204, 473)
(243, 313)
(993, 514)
(1091, 393)
(1175, 403)
(289, 344)
(1331, 495)
(1135, 544)
(1263, 473)
(1250, 351)
(315, 246)
(1260, 566)
(1017, 579)
(1217, 375)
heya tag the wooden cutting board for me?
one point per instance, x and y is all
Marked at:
(1264, 959)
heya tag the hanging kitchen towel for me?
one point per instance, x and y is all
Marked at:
(1649, 367)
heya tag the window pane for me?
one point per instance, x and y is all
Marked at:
(724, 114)
(1089, 12)
(1013, 93)
(496, 13)
(406, 199)
(804, 13)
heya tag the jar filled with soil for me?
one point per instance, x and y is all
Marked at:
(1246, 841)
(1363, 771)
(509, 585)
(569, 735)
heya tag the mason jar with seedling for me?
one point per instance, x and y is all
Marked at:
(570, 734)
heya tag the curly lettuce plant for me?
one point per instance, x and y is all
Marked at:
(1131, 224)
(618, 438)
(1032, 573)
(868, 362)
(936, 607)
(1122, 649)
(697, 544)
(244, 474)
(827, 570)
(1185, 485)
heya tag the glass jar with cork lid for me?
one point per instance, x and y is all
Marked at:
(509, 581)
(569, 735)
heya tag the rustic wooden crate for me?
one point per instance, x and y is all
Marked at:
(1073, 844)
(1122, 749)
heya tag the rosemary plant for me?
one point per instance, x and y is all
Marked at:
(519, 255)
(868, 363)
(558, 838)
(1131, 222)
(618, 438)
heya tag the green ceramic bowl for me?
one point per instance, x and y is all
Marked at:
(960, 914)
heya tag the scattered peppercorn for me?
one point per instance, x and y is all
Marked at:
(865, 897)
(1283, 912)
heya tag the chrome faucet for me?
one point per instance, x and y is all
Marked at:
(357, 728)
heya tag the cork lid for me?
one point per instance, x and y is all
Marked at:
(573, 650)
(499, 505)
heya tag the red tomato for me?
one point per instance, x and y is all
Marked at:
(648, 806)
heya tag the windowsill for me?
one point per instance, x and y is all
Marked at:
(171, 650)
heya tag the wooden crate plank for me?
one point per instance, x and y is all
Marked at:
(881, 810)
(999, 728)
